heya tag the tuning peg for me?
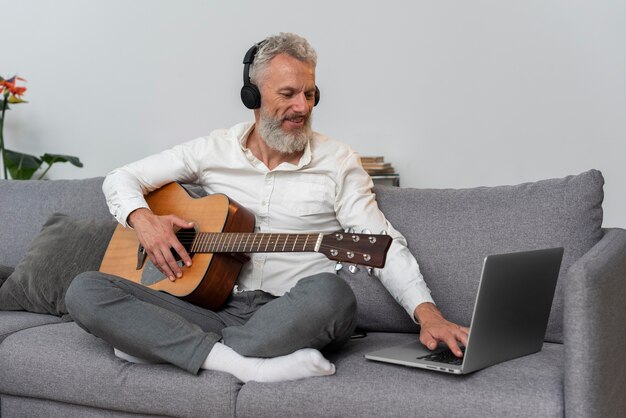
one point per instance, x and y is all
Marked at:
(353, 268)
(338, 266)
(383, 232)
(370, 271)
(349, 230)
(366, 231)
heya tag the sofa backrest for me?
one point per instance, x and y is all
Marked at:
(25, 205)
(451, 231)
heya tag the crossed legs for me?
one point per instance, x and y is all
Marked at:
(261, 336)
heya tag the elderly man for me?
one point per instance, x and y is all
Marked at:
(286, 306)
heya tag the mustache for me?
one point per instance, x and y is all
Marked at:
(296, 116)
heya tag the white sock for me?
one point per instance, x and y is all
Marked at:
(306, 362)
(128, 357)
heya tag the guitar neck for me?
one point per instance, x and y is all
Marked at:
(241, 242)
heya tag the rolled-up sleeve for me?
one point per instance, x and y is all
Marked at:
(124, 188)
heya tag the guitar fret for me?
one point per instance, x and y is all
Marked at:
(238, 239)
(224, 243)
(219, 242)
(305, 241)
(208, 242)
(244, 245)
(229, 242)
(198, 242)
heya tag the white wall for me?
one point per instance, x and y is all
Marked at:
(453, 93)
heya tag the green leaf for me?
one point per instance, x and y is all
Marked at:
(58, 158)
(21, 166)
(16, 100)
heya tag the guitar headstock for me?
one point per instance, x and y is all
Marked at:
(364, 249)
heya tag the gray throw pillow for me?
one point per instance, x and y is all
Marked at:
(5, 272)
(64, 248)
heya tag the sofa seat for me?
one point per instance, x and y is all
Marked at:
(13, 321)
(81, 369)
(530, 386)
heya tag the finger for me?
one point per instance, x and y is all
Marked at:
(159, 261)
(428, 340)
(181, 223)
(182, 252)
(177, 246)
(453, 345)
(463, 336)
(171, 262)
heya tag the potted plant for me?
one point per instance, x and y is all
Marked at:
(19, 165)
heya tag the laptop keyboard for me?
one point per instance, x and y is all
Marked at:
(445, 356)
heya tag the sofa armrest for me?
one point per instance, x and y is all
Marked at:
(595, 330)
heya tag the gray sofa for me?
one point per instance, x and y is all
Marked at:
(51, 367)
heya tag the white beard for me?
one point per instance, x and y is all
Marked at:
(286, 143)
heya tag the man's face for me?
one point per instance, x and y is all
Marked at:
(288, 96)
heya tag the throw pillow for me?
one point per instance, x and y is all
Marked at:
(64, 248)
(5, 272)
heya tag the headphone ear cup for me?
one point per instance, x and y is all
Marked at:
(317, 96)
(251, 96)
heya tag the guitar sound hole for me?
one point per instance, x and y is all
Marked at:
(186, 237)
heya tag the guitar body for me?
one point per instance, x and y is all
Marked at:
(212, 276)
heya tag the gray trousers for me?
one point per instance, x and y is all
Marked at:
(319, 312)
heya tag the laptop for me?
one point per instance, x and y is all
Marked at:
(509, 320)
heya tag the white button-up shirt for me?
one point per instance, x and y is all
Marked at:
(326, 191)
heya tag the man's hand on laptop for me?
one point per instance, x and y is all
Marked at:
(435, 328)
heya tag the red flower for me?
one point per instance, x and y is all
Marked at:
(11, 91)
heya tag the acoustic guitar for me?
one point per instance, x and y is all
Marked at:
(218, 243)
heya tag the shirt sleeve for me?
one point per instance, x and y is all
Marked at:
(124, 188)
(356, 208)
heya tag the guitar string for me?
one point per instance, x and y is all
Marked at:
(292, 239)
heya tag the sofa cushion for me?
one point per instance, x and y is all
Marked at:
(11, 322)
(64, 248)
(63, 363)
(530, 386)
(451, 231)
(27, 204)
(17, 406)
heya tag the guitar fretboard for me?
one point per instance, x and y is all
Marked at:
(239, 242)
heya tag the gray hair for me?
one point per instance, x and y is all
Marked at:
(283, 43)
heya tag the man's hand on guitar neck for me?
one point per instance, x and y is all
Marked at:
(156, 234)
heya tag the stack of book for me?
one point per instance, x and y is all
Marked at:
(376, 165)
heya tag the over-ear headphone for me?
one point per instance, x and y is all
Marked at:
(250, 94)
